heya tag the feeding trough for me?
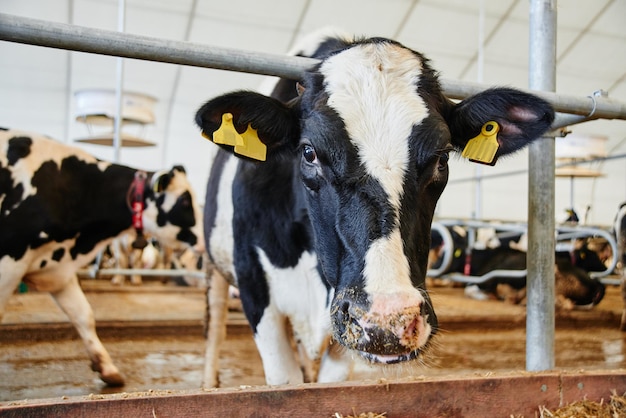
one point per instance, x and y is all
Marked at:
(516, 394)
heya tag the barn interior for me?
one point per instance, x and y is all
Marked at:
(470, 41)
(156, 329)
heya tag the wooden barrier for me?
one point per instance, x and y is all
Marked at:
(504, 395)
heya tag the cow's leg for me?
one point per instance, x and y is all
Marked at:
(135, 262)
(310, 367)
(217, 309)
(73, 302)
(10, 276)
(167, 259)
(334, 365)
(337, 364)
(274, 344)
(120, 260)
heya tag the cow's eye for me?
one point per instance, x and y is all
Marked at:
(309, 154)
(310, 168)
(443, 161)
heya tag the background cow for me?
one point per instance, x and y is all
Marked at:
(120, 254)
(330, 232)
(59, 207)
(573, 284)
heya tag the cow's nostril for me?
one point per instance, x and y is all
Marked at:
(343, 313)
(410, 329)
(344, 308)
(410, 334)
(347, 326)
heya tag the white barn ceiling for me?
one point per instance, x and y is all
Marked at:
(37, 84)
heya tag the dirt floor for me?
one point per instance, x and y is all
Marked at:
(154, 333)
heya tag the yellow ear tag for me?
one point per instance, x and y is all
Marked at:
(226, 134)
(482, 148)
(252, 146)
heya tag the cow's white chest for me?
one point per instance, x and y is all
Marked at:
(299, 294)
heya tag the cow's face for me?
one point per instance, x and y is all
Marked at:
(371, 135)
(172, 213)
(373, 175)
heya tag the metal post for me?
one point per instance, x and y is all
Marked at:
(68, 78)
(478, 169)
(540, 264)
(119, 87)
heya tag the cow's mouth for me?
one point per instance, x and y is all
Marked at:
(389, 359)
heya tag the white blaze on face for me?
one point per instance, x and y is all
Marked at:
(373, 87)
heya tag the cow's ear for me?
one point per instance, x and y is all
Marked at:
(521, 118)
(160, 180)
(179, 168)
(276, 124)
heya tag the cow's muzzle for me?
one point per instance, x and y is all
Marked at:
(380, 336)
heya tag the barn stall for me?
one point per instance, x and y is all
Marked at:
(584, 107)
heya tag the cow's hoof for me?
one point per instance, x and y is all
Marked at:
(113, 379)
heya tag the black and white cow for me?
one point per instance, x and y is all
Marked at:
(331, 232)
(60, 206)
(574, 287)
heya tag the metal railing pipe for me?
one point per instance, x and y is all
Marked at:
(99, 41)
(592, 106)
(92, 273)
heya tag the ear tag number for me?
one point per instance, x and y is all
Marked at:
(482, 148)
(247, 144)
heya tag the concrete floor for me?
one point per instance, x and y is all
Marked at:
(154, 333)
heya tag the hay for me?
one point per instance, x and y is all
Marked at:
(615, 408)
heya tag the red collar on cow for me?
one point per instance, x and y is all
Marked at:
(137, 205)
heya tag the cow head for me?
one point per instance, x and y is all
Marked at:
(370, 136)
(172, 213)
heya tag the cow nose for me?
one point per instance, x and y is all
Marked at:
(385, 332)
(397, 331)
